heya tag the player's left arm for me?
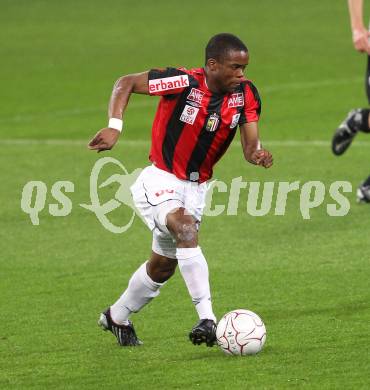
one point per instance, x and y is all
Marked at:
(253, 152)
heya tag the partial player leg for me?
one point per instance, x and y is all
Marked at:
(363, 192)
(143, 286)
(194, 269)
(146, 282)
(357, 120)
(367, 79)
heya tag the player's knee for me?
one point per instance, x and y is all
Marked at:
(187, 234)
(183, 228)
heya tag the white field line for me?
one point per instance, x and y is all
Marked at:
(144, 143)
(150, 102)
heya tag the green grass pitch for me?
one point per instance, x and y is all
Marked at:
(308, 279)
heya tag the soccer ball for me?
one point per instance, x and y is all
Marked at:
(241, 332)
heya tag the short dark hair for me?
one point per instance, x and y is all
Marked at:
(220, 44)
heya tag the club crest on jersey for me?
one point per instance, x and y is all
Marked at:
(189, 114)
(168, 83)
(195, 96)
(212, 122)
(236, 100)
(234, 120)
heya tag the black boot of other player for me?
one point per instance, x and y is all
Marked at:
(125, 334)
(345, 133)
(363, 192)
(203, 332)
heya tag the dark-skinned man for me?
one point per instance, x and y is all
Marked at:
(197, 117)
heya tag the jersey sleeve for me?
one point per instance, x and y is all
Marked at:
(168, 81)
(252, 104)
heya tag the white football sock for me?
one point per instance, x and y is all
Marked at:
(194, 269)
(141, 290)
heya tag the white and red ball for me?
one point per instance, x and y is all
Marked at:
(241, 332)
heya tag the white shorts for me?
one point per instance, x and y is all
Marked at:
(156, 193)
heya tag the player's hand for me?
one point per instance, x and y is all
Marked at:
(360, 37)
(104, 139)
(262, 157)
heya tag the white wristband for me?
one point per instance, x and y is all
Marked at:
(115, 123)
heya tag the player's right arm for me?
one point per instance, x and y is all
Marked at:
(106, 138)
(360, 35)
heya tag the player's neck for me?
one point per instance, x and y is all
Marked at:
(211, 84)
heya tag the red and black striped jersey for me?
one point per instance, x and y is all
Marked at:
(193, 127)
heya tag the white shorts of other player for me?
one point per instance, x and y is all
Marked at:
(156, 193)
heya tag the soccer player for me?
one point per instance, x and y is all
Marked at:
(357, 119)
(196, 120)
